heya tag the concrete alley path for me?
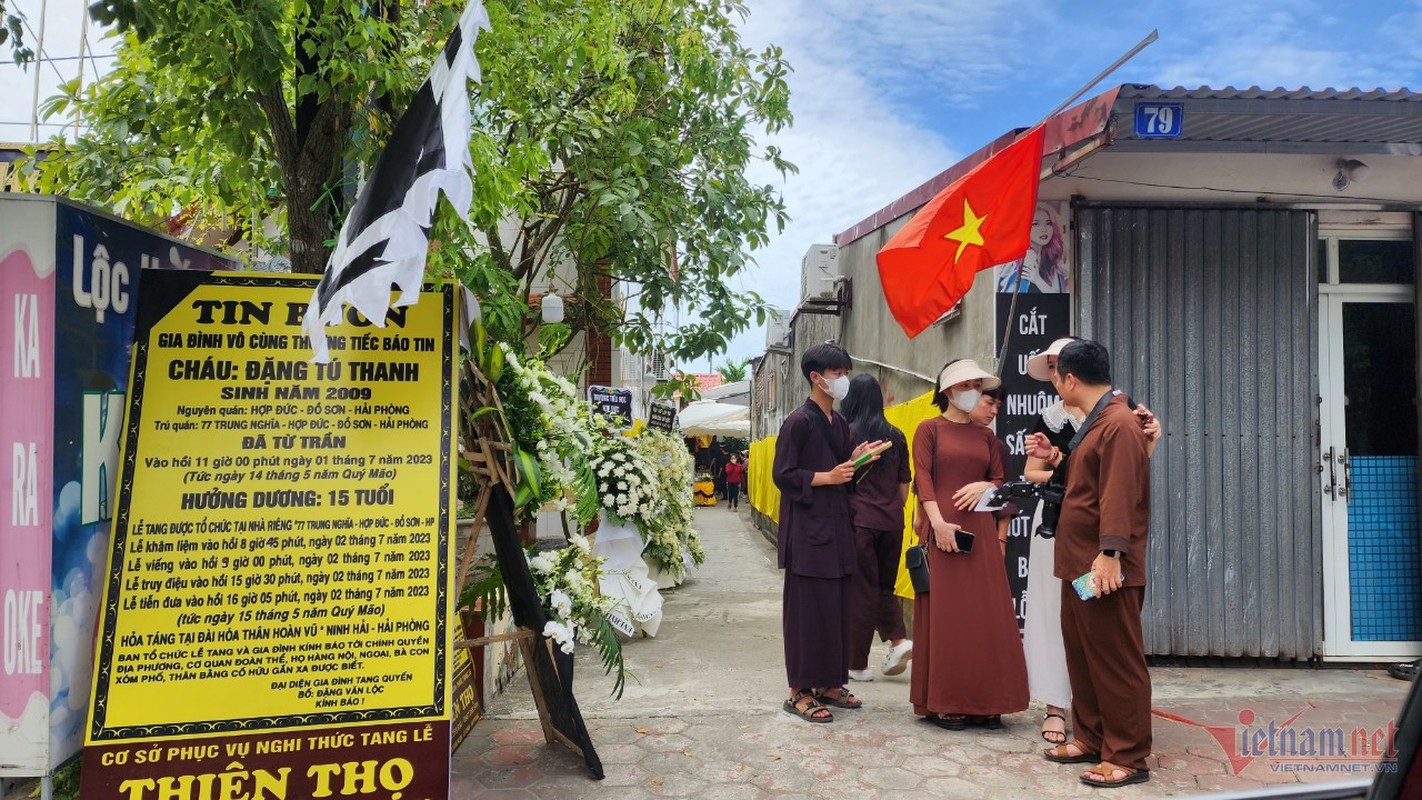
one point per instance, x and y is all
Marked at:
(703, 718)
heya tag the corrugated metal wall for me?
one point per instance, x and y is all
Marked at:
(1211, 317)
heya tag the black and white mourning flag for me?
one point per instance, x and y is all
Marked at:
(386, 236)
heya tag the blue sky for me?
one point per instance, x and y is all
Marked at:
(887, 93)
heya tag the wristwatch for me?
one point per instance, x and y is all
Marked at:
(1111, 553)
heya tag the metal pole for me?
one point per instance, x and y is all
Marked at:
(83, 46)
(1115, 65)
(1017, 277)
(39, 59)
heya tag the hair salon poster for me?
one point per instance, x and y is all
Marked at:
(1041, 282)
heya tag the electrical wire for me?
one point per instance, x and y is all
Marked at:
(39, 54)
(1251, 192)
(91, 56)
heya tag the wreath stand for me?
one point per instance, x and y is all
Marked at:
(486, 451)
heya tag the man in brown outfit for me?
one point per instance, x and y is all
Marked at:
(1102, 532)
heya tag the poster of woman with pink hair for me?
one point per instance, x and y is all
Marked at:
(1043, 270)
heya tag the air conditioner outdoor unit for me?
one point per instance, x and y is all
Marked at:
(777, 328)
(819, 273)
(659, 366)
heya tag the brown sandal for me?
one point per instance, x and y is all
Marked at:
(842, 698)
(1059, 754)
(810, 711)
(1105, 769)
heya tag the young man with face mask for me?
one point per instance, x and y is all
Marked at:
(1102, 531)
(814, 467)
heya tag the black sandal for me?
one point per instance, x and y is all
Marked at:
(844, 698)
(808, 711)
(949, 722)
(1405, 670)
(1061, 733)
(991, 723)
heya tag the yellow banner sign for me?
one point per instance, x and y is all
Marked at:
(281, 554)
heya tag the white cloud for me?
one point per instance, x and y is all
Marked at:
(857, 150)
(1261, 44)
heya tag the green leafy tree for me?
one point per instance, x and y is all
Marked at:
(733, 371)
(12, 32)
(611, 146)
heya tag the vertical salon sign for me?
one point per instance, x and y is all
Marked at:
(1042, 314)
(27, 288)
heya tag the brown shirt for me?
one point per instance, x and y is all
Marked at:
(1107, 505)
(816, 530)
(878, 499)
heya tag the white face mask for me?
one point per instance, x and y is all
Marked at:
(967, 400)
(837, 388)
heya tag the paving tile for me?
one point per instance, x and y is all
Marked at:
(554, 787)
(670, 784)
(737, 791)
(723, 772)
(710, 687)
(510, 778)
(623, 775)
(891, 778)
(785, 781)
(957, 788)
(1224, 783)
(517, 734)
(618, 753)
(673, 742)
(933, 767)
(513, 755)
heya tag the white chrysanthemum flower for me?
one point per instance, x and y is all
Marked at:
(544, 563)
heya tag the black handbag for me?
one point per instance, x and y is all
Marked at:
(916, 562)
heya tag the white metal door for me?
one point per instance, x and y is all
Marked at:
(1368, 468)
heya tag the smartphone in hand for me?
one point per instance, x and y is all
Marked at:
(1085, 586)
(964, 540)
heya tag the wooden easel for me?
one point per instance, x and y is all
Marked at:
(486, 453)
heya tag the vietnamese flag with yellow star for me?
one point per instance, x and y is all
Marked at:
(979, 221)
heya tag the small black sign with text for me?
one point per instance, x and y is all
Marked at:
(662, 417)
(613, 403)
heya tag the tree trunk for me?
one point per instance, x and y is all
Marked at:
(307, 142)
(308, 229)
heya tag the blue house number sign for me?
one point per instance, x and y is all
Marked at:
(1159, 120)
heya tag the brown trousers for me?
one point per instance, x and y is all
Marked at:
(874, 606)
(1110, 687)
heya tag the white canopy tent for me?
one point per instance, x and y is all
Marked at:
(710, 418)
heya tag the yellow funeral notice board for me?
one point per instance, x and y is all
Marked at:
(275, 622)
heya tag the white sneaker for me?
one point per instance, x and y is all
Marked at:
(865, 675)
(897, 659)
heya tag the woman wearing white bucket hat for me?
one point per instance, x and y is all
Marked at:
(1042, 629)
(968, 663)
